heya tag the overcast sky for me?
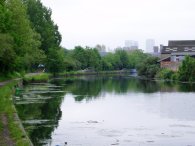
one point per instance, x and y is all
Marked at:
(111, 22)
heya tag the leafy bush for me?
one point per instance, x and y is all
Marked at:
(43, 77)
(166, 74)
(149, 67)
(186, 72)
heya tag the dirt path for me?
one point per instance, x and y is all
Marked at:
(5, 82)
(8, 81)
(5, 139)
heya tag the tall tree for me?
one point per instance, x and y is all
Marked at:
(41, 21)
(124, 60)
(186, 71)
(26, 40)
(93, 58)
(5, 19)
(80, 55)
(55, 61)
(7, 54)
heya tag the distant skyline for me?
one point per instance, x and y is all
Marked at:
(111, 22)
(150, 43)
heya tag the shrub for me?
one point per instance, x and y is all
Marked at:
(186, 72)
(166, 74)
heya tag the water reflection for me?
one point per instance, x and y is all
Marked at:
(39, 108)
(50, 111)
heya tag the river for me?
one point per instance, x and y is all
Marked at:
(108, 110)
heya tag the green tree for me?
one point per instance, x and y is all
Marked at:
(26, 40)
(55, 61)
(124, 60)
(5, 18)
(108, 62)
(136, 57)
(20, 42)
(93, 58)
(186, 72)
(166, 74)
(7, 54)
(80, 55)
(148, 67)
(40, 17)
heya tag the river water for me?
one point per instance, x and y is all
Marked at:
(106, 111)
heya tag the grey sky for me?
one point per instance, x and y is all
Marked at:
(111, 22)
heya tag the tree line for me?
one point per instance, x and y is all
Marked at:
(81, 58)
(29, 37)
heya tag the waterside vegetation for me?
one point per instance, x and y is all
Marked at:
(11, 130)
(36, 78)
(29, 38)
(185, 73)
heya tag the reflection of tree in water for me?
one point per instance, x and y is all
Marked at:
(49, 111)
(176, 87)
(147, 86)
(186, 87)
(84, 88)
(91, 87)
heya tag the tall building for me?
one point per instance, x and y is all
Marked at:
(131, 45)
(101, 49)
(156, 49)
(150, 43)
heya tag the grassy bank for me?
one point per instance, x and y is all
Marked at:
(36, 78)
(79, 73)
(10, 76)
(11, 130)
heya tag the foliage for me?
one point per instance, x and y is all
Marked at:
(26, 34)
(55, 61)
(149, 67)
(122, 59)
(40, 18)
(81, 58)
(93, 58)
(41, 77)
(166, 74)
(7, 54)
(7, 109)
(136, 57)
(186, 72)
(29, 37)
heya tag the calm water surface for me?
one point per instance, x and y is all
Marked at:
(105, 111)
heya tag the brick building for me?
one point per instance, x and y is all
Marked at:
(173, 54)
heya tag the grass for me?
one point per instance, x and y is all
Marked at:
(36, 78)
(10, 76)
(92, 73)
(7, 108)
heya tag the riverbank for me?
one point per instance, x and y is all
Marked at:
(43, 113)
(9, 119)
(12, 132)
(36, 77)
(4, 78)
(80, 73)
